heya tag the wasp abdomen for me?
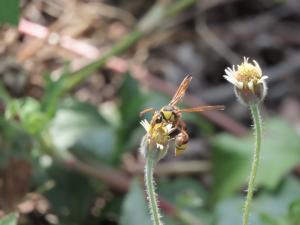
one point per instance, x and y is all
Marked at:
(181, 142)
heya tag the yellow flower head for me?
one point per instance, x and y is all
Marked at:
(248, 80)
(155, 143)
(157, 134)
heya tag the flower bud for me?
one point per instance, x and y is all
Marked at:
(249, 83)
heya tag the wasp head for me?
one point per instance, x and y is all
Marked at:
(168, 113)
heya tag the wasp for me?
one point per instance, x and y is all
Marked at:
(171, 114)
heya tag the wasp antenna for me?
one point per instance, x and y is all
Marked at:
(220, 107)
(189, 76)
(146, 111)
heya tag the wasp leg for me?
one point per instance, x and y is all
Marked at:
(181, 142)
(174, 132)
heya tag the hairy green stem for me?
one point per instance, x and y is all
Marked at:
(150, 189)
(257, 132)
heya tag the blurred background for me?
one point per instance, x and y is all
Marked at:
(74, 75)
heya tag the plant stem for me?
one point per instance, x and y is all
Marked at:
(78, 76)
(257, 133)
(152, 20)
(150, 189)
(177, 7)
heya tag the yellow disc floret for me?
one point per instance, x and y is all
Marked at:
(248, 72)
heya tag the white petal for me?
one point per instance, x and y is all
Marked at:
(169, 128)
(231, 80)
(159, 146)
(257, 67)
(240, 85)
(250, 85)
(261, 80)
(145, 124)
(229, 72)
(246, 59)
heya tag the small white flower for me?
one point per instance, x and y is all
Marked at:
(246, 75)
(248, 80)
(155, 142)
(157, 133)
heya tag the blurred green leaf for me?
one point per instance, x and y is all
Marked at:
(205, 127)
(4, 96)
(10, 219)
(79, 126)
(188, 196)
(28, 110)
(183, 192)
(110, 111)
(14, 141)
(131, 104)
(53, 91)
(294, 212)
(134, 210)
(72, 195)
(132, 101)
(267, 208)
(232, 157)
(155, 100)
(171, 220)
(9, 11)
(33, 119)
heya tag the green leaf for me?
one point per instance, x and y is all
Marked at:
(134, 210)
(53, 91)
(10, 219)
(132, 101)
(78, 126)
(183, 192)
(4, 95)
(33, 119)
(14, 141)
(268, 208)
(72, 194)
(188, 196)
(294, 212)
(131, 104)
(232, 158)
(28, 110)
(9, 11)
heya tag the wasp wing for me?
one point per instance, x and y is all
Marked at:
(181, 90)
(203, 108)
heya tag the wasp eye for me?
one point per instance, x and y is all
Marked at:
(158, 119)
